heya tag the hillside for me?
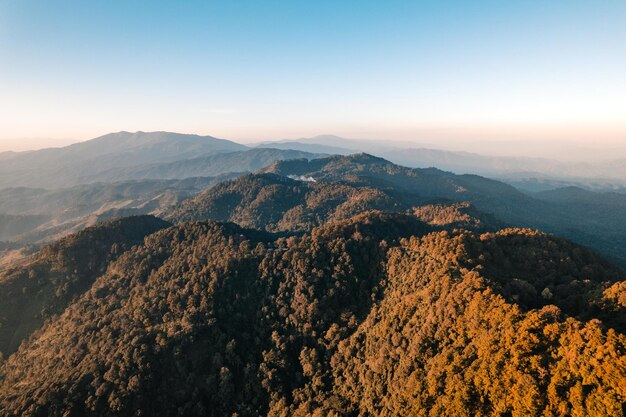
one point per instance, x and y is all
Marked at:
(31, 215)
(40, 287)
(16, 224)
(606, 234)
(373, 315)
(281, 204)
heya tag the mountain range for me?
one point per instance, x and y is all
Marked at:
(149, 173)
(608, 172)
(205, 280)
(48, 193)
(125, 156)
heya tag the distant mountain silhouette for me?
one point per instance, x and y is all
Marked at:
(514, 169)
(141, 155)
(210, 165)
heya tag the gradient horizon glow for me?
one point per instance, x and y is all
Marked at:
(428, 71)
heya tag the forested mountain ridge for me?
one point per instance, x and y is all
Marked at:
(280, 204)
(604, 233)
(276, 203)
(340, 286)
(37, 288)
(373, 315)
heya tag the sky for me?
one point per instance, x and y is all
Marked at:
(424, 71)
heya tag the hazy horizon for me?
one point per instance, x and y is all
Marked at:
(559, 150)
(449, 73)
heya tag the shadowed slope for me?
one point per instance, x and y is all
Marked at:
(40, 287)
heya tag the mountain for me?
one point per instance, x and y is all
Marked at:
(16, 224)
(277, 203)
(351, 145)
(320, 144)
(344, 285)
(539, 183)
(82, 162)
(35, 215)
(605, 234)
(212, 165)
(42, 286)
(522, 171)
(577, 195)
(128, 156)
(373, 315)
(306, 193)
(281, 204)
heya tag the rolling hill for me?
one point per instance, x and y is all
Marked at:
(276, 203)
(46, 215)
(82, 162)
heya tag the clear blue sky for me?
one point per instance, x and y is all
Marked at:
(422, 70)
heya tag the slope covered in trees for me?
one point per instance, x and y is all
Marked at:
(595, 226)
(42, 286)
(373, 315)
(281, 204)
(277, 203)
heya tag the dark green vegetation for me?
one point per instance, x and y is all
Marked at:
(281, 204)
(276, 203)
(342, 286)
